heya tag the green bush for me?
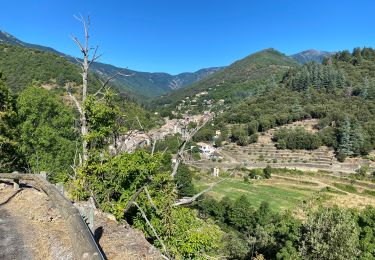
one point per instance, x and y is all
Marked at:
(297, 138)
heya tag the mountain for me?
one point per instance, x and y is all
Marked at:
(311, 55)
(241, 79)
(130, 82)
(150, 84)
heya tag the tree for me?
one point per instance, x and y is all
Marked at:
(267, 171)
(366, 222)
(357, 138)
(345, 142)
(183, 180)
(85, 64)
(10, 158)
(47, 134)
(241, 214)
(235, 245)
(330, 233)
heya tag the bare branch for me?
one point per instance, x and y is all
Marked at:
(196, 196)
(180, 153)
(149, 198)
(151, 226)
(139, 122)
(133, 198)
(75, 39)
(95, 57)
(153, 147)
(105, 83)
(78, 105)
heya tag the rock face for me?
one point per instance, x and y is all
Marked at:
(31, 227)
(119, 241)
(11, 243)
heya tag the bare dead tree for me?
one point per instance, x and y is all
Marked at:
(85, 65)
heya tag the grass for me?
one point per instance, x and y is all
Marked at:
(280, 197)
(329, 189)
(345, 187)
(369, 192)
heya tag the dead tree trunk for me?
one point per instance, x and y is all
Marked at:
(85, 64)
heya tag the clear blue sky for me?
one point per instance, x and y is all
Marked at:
(185, 35)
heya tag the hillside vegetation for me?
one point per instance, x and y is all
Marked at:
(340, 93)
(241, 79)
(22, 66)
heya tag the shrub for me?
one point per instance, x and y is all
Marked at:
(267, 172)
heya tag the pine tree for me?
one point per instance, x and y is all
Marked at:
(345, 143)
(357, 138)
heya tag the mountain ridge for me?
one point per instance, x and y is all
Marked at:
(242, 78)
(145, 84)
(311, 55)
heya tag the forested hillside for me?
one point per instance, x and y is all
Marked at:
(340, 92)
(241, 79)
(22, 66)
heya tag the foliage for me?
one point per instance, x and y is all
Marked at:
(47, 134)
(24, 65)
(297, 138)
(239, 135)
(191, 237)
(183, 180)
(366, 222)
(104, 119)
(330, 233)
(340, 93)
(10, 158)
(267, 171)
(242, 79)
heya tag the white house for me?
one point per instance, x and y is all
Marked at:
(206, 149)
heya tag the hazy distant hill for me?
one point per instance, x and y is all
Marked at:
(139, 83)
(311, 55)
(239, 80)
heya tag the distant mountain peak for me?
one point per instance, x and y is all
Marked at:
(311, 55)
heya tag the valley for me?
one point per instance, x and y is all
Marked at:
(270, 157)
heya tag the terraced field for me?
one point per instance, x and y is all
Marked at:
(293, 190)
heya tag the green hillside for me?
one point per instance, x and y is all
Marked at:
(22, 65)
(340, 92)
(241, 79)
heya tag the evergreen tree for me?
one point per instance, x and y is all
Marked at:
(357, 138)
(345, 143)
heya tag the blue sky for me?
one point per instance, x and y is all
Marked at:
(185, 35)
